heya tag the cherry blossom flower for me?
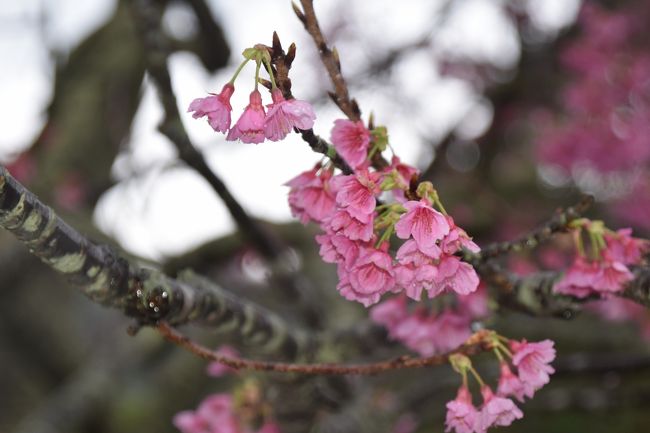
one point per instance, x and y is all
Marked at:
(250, 126)
(532, 361)
(284, 115)
(509, 384)
(310, 196)
(461, 413)
(216, 107)
(336, 248)
(416, 278)
(356, 193)
(352, 227)
(456, 275)
(351, 140)
(372, 272)
(217, 369)
(496, 411)
(624, 248)
(425, 224)
(579, 279)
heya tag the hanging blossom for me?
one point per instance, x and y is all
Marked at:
(255, 125)
(531, 361)
(250, 126)
(284, 115)
(607, 271)
(215, 107)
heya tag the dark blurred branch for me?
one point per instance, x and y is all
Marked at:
(156, 53)
(144, 294)
(557, 224)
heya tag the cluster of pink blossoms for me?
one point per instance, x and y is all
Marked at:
(255, 124)
(532, 364)
(604, 125)
(346, 208)
(429, 333)
(608, 270)
(217, 414)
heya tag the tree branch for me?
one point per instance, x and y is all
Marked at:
(144, 294)
(156, 54)
(558, 223)
(473, 345)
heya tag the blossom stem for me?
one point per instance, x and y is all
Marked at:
(578, 241)
(257, 72)
(239, 69)
(267, 65)
(476, 376)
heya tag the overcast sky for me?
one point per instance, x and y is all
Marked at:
(140, 214)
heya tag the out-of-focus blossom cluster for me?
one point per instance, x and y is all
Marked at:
(218, 413)
(427, 332)
(603, 124)
(603, 268)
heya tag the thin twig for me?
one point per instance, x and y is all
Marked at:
(558, 223)
(473, 345)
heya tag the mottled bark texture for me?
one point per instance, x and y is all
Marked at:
(144, 294)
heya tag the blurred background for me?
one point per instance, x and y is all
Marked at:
(512, 108)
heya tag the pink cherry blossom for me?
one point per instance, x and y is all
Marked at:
(457, 239)
(250, 126)
(390, 312)
(624, 248)
(372, 272)
(455, 275)
(579, 279)
(461, 413)
(189, 422)
(348, 292)
(612, 276)
(450, 330)
(496, 411)
(425, 224)
(284, 115)
(336, 248)
(416, 278)
(310, 196)
(409, 253)
(509, 384)
(357, 193)
(533, 361)
(351, 140)
(216, 107)
(217, 369)
(351, 227)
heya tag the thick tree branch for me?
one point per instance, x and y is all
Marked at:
(144, 294)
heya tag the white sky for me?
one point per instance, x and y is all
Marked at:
(140, 213)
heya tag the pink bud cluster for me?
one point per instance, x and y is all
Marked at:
(429, 333)
(607, 273)
(532, 363)
(345, 206)
(254, 125)
(217, 414)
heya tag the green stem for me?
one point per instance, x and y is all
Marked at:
(257, 72)
(239, 69)
(267, 65)
(476, 376)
